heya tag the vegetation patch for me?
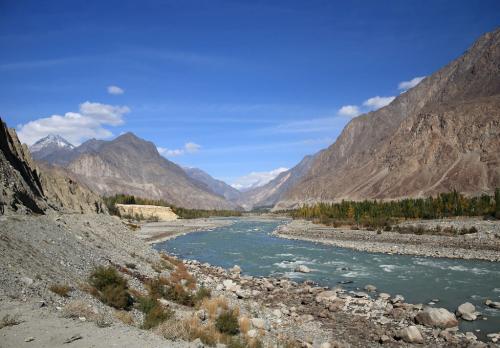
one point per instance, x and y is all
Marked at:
(111, 286)
(227, 323)
(382, 214)
(60, 289)
(438, 230)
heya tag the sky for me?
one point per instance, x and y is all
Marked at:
(240, 89)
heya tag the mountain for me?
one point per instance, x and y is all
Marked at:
(268, 195)
(441, 135)
(24, 187)
(52, 149)
(133, 166)
(219, 187)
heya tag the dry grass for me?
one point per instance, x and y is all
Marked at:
(172, 260)
(125, 317)
(245, 324)
(189, 330)
(212, 305)
(60, 289)
(181, 273)
(9, 320)
(77, 309)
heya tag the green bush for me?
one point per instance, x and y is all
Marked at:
(102, 277)
(227, 323)
(156, 315)
(201, 294)
(111, 286)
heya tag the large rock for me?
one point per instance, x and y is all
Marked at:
(411, 334)
(492, 304)
(302, 269)
(259, 323)
(326, 296)
(467, 311)
(436, 317)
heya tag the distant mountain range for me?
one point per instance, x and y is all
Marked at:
(441, 135)
(129, 165)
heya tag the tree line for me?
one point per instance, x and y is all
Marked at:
(373, 213)
(184, 213)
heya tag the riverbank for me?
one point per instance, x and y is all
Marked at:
(156, 232)
(482, 245)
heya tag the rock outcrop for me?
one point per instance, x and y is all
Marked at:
(441, 135)
(24, 187)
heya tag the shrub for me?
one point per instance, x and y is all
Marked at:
(102, 277)
(213, 304)
(124, 317)
(131, 265)
(116, 296)
(112, 287)
(245, 325)
(60, 289)
(77, 309)
(201, 294)
(178, 294)
(156, 315)
(227, 323)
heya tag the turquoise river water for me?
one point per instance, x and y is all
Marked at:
(249, 244)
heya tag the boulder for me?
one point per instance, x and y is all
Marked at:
(370, 288)
(467, 311)
(436, 317)
(252, 333)
(302, 269)
(259, 323)
(411, 334)
(326, 296)
(235, 269)
(384, 296)
(492, 304)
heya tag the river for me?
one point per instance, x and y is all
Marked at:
(249, 244)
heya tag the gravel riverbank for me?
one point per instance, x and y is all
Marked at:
(483, 245)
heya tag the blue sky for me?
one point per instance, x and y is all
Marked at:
(232, 87)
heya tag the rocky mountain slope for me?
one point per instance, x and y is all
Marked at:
(441, 135)
(26, 188)
(268, 195)
(133, 166)
(219, 187)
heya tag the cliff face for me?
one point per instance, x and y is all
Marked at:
(25, 188)
(441, 135)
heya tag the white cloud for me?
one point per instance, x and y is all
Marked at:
(88, 123)
(349, 111)
(406, 85)
(377, 102)
(189, 147)
(256, 179)
(115, 90)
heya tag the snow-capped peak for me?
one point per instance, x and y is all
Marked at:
(51, 140)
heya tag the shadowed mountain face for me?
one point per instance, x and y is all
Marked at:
(216, 186)
(132, 165)
(441, 135)
(26, 188)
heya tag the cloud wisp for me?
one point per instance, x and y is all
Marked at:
(88, 122)
(188, 148)
(256, 179)
(406, 85)
(115, 90)
(377, 102)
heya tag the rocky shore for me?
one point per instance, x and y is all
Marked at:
(40, 252)
(482, 245)
(318, 316)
